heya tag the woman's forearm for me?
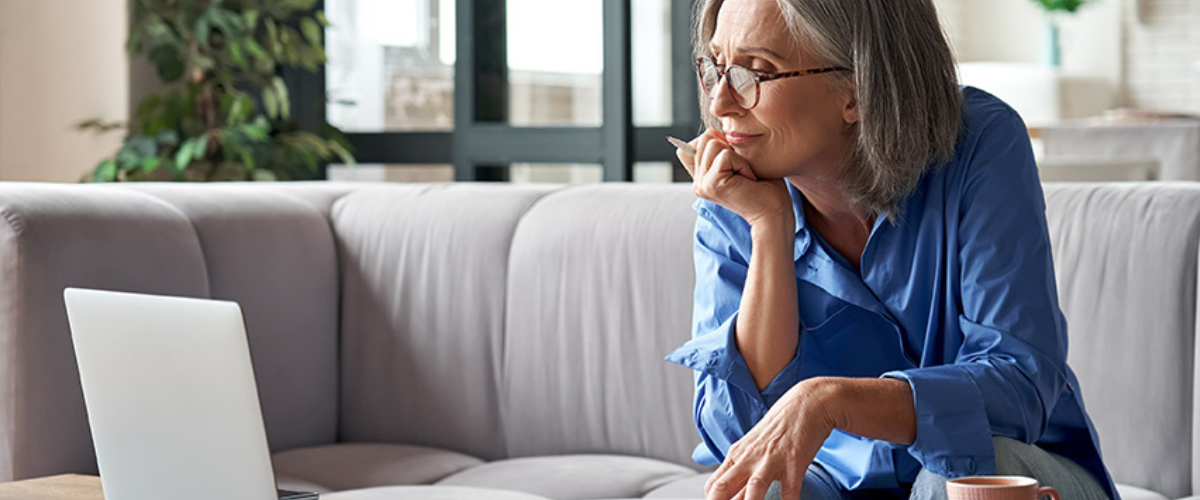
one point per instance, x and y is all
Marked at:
(768, 319)
(875, 408)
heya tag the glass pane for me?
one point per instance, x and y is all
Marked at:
(653, 172)
(378, 172)
(565, 173)
(555, 61)
(651, 63)
(391, 64)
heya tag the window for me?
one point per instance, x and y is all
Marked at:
(510, 90)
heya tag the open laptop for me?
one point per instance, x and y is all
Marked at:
(171, 397)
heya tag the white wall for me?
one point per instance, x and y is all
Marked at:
(1092, 46)
(61, 61)
(1163, 55)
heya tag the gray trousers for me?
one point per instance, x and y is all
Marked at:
(1013, 458)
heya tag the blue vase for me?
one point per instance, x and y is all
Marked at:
(1051, 50)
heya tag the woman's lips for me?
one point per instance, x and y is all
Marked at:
(738, 139)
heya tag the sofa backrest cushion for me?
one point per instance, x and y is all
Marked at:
(599, 290)
(53, 237)
(1125, 258)
(423, 270)
(271, 250)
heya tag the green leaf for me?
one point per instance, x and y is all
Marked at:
(265, 176)
(342, 154)
(200, 146)
(202, 29)
(270, 103)
(285, 102)
(273, 38)
(106, 171)
(167, 63)
(250, 18)
(235, 51)
(255, 131)
(311, 30)
(141, 146)
(151, 164)
(255, 49)
(247, 160)
(184, 156)
(168, 137)
(145, 110)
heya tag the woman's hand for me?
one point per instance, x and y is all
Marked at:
(779, 448)
(722, 176)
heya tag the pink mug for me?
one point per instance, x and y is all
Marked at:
(998, 488)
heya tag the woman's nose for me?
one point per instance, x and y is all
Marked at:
(724, 103)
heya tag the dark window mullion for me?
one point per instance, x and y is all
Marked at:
(617, 96)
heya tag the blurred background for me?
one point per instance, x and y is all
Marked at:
(573, 90)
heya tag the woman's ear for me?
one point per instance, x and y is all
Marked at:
(850, 112)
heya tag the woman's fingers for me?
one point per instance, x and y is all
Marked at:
(756, 486)
(687, 160)
(792, 482)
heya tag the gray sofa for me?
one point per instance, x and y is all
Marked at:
(505, 341)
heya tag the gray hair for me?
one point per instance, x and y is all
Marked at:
(903, 81)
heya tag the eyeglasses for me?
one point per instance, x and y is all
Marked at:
(742, 81)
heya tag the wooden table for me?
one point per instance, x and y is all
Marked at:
(64, 487)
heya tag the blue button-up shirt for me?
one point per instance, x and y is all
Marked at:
(956, 297)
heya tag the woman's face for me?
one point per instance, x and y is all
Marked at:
(801, 125)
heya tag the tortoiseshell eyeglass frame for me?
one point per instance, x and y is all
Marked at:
(759, 76)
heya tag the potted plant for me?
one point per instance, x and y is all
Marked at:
(225, 113)
(1051, 47)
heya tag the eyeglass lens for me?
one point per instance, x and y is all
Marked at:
(741, 80)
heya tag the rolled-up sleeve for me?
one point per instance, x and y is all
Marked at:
(727, 400)
(1010, 367)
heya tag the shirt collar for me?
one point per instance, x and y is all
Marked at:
(803, 238)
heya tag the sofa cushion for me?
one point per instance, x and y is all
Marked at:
(428, 493)
(424, 270)
(687, 487)
(292, 484)
(256, 240)
(352, 466)
(1125, 258)
(601, 286)
(1134, 493)
(52, 237)
(572, 477)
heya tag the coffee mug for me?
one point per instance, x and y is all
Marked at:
(998, 488)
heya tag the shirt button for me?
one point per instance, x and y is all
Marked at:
(947, 465)
(971, 465)
(712, 362)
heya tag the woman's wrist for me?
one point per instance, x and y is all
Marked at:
(773, 225)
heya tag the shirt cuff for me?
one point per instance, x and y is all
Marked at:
(715, 353)
(954, 437)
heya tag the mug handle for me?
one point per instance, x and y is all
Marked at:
(1046, 490)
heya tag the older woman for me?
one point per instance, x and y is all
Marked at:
(875, 305)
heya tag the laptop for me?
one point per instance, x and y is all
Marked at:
(171, 397)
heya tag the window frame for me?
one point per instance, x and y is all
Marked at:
(481, 140)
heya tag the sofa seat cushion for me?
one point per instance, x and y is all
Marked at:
(573, 477)
(428, 493)
(687, 487)
(1134, 493)
(363, 465)
(293, 484)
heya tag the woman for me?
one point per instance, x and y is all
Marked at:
(897, 321)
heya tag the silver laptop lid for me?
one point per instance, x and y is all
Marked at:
(170, 396)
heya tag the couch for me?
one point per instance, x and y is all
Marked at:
(498, 341)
